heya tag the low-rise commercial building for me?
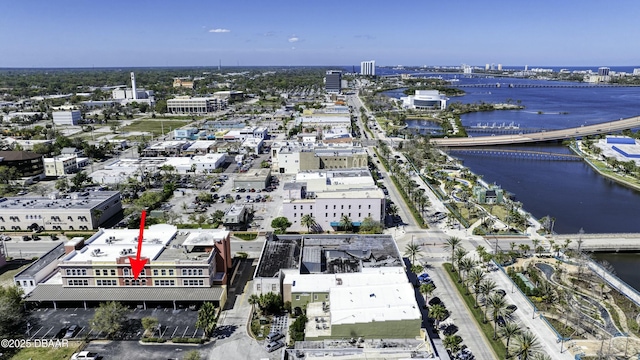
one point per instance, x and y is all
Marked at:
(195, 105)
(72, 117)
(294, 157)
(349, 285)
(63, 165)
(332, 196)
(27, 165)
(182, 268)
(253, 179)
(235, 217)
(75, 211)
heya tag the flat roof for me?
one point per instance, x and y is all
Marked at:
(278, 254)
(369, 303)
(253, 174)
(79, 200)
(201, 144)
(46, 259)
(166, 144)
(325, 282)
(147, 293)
(205, 238)
(372, 192)
(110, 244)
(234, 210)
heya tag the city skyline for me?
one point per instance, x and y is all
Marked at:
(74, 33)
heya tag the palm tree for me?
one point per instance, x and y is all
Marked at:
(486, 287)
(346, 223)
(253, 300)
(498, 306)
(510, 330)
(452, 343)
(412, 250)
(309, 221)
(427, 290)
(438, 313)
(459, 255)
(392, 210)
(535, 242)
(526, 345)
(452, 243)
(465, 265)
(475, 278)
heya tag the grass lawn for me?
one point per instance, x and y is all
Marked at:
(487, 328)
(10, 270)
(49, 353)
(154, 126)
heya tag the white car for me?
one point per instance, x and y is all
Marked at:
(84, 355)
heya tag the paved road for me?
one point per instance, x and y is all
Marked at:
(468, 329)
(525, 316)
(19, 249)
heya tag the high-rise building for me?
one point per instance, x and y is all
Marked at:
(333, 81)
(603, 71)
(499, 67)
(368, 68)
(486, 67)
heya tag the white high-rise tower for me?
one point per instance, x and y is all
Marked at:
(133, 86)
(368, 68)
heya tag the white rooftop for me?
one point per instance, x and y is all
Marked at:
(325, 282)
(365, 304)
(201, 145)
(205, 238)
(108, 245)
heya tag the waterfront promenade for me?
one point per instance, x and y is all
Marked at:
(600, 242)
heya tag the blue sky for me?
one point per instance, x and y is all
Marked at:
(83, 33)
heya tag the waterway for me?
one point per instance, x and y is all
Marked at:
(570, 191)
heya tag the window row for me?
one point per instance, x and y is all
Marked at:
(76, 272)
(164, 282)
(106, 282)
(192, 272)
(105, 272)
(163, 272)
(326, 207)
(302, 207)
(142, 282)
(193, 282)
(78, 282)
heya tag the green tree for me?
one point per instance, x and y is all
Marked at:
(498, 308)
(474, 279)
(458, 255)
(309, 221)
(207, 318)
(412, 251)
(150, 324)
(452, 343)
(79, 179)
(296, 330)
(438, 313)
(12, 310)
(280, 224)
(370, 226)
(427, 290)
(452, 244)
(109, 318)
(485, 289)
(509, 330)
(270, 303)
(346, 223)
(161, 107)
(7, 174)
(525, 345)
(465, 265)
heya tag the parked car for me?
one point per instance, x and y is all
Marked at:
(71, 331)
(84, 355)
(274, 336)
(501, 292)
(511, 308)
(275, 345)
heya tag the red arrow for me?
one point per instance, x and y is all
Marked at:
(136, 264)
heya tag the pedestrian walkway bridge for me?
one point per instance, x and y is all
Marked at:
(542, 136)
(521, 154)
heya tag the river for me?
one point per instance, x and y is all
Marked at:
(570, 191)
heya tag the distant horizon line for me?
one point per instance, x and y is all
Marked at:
(295, 66)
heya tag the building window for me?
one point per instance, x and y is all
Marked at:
(298, 297)
(200, 272)
(311, 207)
(155, 272)
(315, 296)
(326, 215)
(359, 206)
(31, 282)
(113, 272)
(301, 207)
(369, 206)
(164, 272)
(171, 272)
(273, 287)
(349, 207)
(326, 207)
(97, 272)
(295, 207)
(125, 271)
(326, 297)
(359, 214)
(341, 206)
(258, 287)
(334, 207)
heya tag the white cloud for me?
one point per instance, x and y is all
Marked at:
(219, 30)
(294, 39)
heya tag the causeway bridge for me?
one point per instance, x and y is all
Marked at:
(623, 242)
(538, 85)
(521, 154)
(548, 135)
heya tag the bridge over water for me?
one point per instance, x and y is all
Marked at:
(540, 85)
(522, 154)
(549, 135)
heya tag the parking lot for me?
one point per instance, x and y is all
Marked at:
(51, 324)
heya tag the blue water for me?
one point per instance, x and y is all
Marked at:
(569, 191)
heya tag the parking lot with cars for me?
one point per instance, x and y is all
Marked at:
(75, 323)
